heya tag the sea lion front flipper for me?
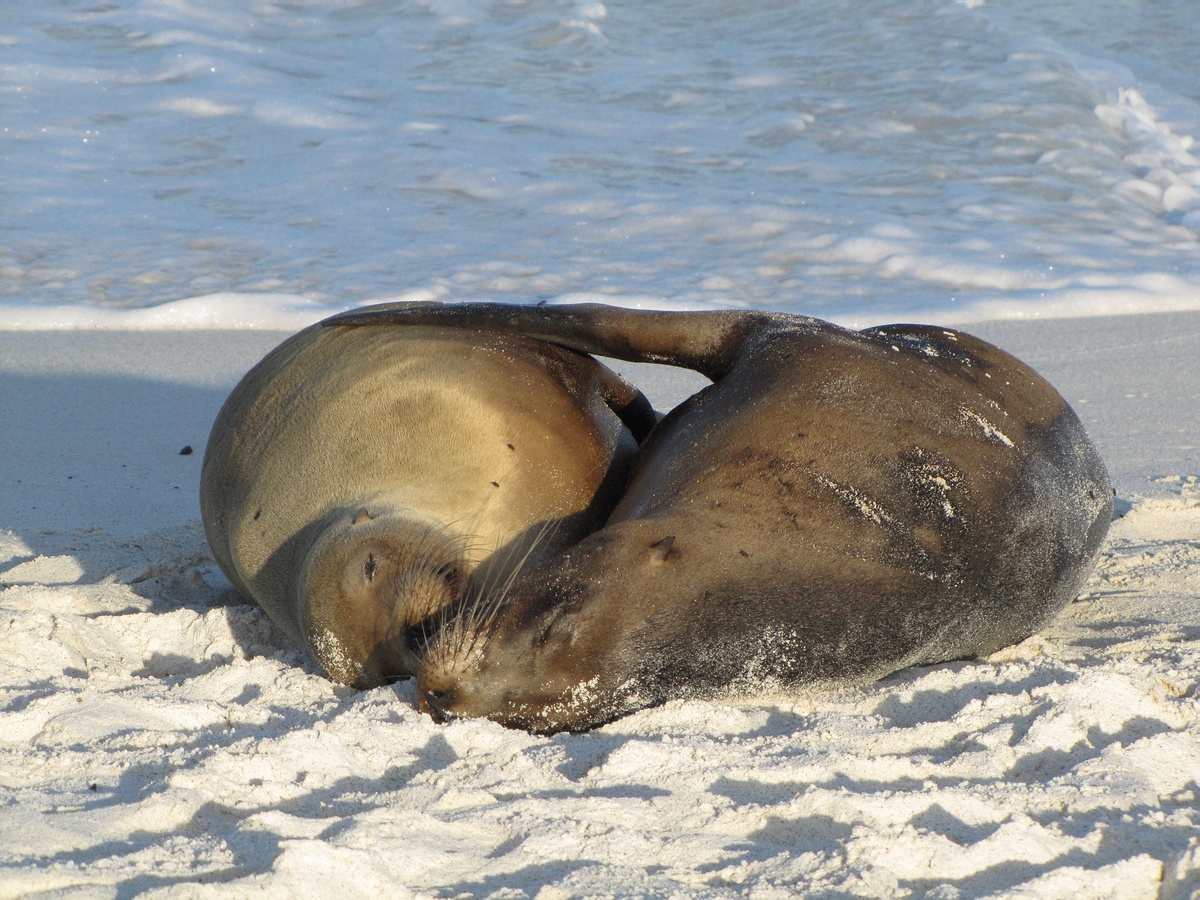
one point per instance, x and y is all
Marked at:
(708, 341)
(629, 404)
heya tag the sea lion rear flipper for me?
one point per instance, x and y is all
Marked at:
(708, 341)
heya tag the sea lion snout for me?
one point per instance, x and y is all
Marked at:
(367, 586)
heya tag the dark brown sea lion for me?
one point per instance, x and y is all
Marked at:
(836, 506)
(357, 478)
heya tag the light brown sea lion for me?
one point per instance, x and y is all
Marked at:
(357, 478)
(836, 506)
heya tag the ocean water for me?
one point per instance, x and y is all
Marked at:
(174, 163)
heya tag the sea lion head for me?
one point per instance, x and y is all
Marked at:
(525, 669)
(562, 649)
(366, 582)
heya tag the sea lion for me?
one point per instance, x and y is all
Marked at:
(357, 479)
(836, 506)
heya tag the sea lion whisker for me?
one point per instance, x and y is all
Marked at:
(466, 628)
(476, 618)
(487, 614)
(502, 573)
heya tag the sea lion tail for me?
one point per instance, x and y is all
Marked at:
(707, 341)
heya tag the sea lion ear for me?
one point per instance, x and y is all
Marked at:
(664, 550)
(361, 516)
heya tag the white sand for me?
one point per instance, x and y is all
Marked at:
(158, 736)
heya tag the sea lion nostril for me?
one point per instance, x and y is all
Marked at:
(435, 702)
